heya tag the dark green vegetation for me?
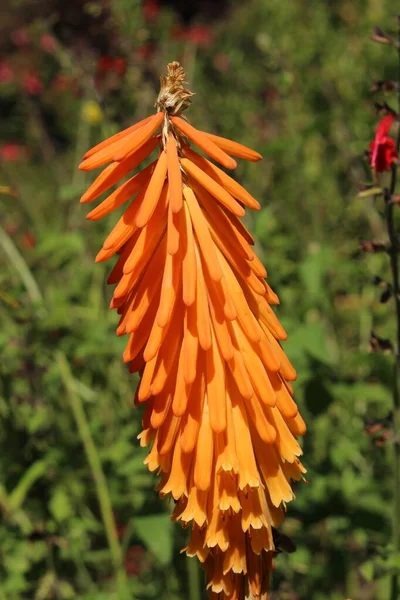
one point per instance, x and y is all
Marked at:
(291, 80)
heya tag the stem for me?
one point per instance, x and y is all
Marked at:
(100, 481)
(394, 263)
(21, 267)
(193, 574)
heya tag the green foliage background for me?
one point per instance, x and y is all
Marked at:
(291, 80)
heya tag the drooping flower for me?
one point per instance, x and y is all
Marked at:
(48, 43)
(383, 148)
(32, 84)
(151, 9)
(12, 152)
(107, 64)
(192, 297)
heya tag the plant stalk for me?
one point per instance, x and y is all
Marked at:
(100, 481)
(394, 263)
(193, 574)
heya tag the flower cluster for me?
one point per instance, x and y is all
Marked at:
(383, 151)
(193, 301)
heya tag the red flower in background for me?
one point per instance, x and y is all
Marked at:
(200, 34)
(197, 34)
(151, 8)
(32, 84)
(382, 147)
(134, 560)
(6, 73)
(145, 51)
(28, 240)
(20, 37)
(12, 152)
(48, 43)
(107, 64)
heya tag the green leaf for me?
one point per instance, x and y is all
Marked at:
(60, 505)
(375, 191)
(367, 570)
(155, 531)
(17, 496)
(313, 272)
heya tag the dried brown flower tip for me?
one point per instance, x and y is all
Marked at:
(381, 37)
(173, 98)
(386, 86)
(377, 280)
(373, 246)
(395, 199)
(373, 426)
(384, 108)
(385, 437)
(386, 295)
(378, 344)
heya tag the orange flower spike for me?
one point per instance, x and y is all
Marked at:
(190, 345)
(202, 306)
(173, 229)
(174, 175)
(153, 192)
(215, 380)
(234, 148)
(192, 297)
(117, 170)
(189, 260)
(138, 138)
(207, 145)
(203, 467)
(203, 235)
(213, 187)
(122, 194)
(116, 137)
(232, 186)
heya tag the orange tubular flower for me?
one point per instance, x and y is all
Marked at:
(192, 297)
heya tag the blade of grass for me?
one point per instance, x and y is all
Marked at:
(193, 574)
(102, 491)
(394, 263)
(18, 261)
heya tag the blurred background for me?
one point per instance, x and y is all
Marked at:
(290, 79)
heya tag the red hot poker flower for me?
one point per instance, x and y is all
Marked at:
(383, 148)
(192, 297)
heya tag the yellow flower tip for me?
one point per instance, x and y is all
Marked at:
(92, 113)
(192, 298)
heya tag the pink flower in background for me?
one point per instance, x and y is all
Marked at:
(145, 51)
(31, 83)
(382, 147)
(20, 37)
(151, 8)
(48, 43)
(106, 64)
(221, 61)
(28, 240)
(62, 82)
(178, 33)
(197, 34)
(12, 152)
(6, 73)
(200, 34)
(133, 562)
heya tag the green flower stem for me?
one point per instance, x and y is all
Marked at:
(394, 263)
(193, 573)
(21, 267)
(100, 481)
